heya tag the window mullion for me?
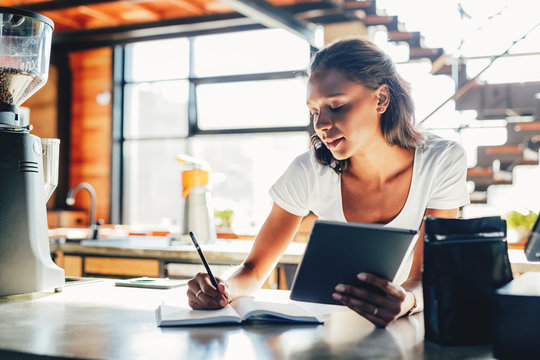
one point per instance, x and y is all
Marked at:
(117, 153)
(192, 97)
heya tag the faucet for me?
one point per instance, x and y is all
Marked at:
(70, 200)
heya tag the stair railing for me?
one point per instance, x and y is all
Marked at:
(473, 82)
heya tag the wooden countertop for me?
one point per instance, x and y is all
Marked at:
(101, 321)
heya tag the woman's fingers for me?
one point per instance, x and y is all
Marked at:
(202, 301)
(383, 309)
(193, 299)
(206, 285)
(203, 295)
(371, 297)
(379, 300)
(224, 290)
(384, 285)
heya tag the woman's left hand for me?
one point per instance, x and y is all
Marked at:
(381, 304)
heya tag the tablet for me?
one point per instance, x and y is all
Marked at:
(337, 252)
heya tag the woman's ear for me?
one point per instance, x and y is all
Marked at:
(383, 94)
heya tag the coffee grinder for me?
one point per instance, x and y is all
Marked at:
(28, 164)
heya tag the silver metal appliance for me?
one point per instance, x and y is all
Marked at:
(28, 164)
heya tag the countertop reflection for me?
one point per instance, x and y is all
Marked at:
(99, 320)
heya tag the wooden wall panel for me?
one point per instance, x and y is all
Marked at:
(43, 109)
(120, 266)
(90, 137)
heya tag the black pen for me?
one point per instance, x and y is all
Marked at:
(205, 263)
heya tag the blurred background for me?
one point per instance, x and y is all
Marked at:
(134, 83)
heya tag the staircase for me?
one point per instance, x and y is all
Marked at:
(494, 164)
(491, 101)
(329, 12)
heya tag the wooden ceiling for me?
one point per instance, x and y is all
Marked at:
(91, 23)
(70, 15)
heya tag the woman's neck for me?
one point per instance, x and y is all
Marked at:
(381, 162)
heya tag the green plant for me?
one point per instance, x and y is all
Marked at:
(516, 219)
(223, 217)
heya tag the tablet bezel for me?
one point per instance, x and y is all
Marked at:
(336, 252)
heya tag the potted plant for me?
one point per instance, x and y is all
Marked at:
(519, 226)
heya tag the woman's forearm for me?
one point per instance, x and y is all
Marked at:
(243, 280)
(272, 240)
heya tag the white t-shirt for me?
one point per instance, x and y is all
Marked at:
(438, 182)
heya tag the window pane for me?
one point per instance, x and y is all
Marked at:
(252, 104)
(156, 109)
(247, 52)
(157, 60)
(152, 182)
(243, 167)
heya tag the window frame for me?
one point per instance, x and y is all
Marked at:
(119, 139)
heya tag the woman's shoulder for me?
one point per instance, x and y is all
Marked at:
(434, 146)
(308, 162)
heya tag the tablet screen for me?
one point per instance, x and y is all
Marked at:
(337, 252)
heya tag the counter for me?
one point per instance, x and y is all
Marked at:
(100, 321)
(157, 258)
(224, 251)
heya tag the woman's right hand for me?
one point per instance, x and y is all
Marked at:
(203, 295)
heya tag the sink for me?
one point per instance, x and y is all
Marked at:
(71, 234)
(76, 235)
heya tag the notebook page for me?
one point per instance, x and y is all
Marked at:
(176, 315)
(247, 307)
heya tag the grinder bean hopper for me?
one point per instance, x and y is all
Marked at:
(28, 164)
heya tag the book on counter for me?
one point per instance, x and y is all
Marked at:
(151, 283)
(238, 311)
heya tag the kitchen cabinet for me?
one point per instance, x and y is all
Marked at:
(121, 266)
(154, 257)
(72, 264)
(80, 265)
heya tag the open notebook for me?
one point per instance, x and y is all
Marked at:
(238, 311)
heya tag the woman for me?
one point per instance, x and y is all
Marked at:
(367, 164)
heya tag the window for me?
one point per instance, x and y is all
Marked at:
(252, 104)
(201, 103)
(243, 167)
(157, 60)
(249, 52)
(156, 109)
